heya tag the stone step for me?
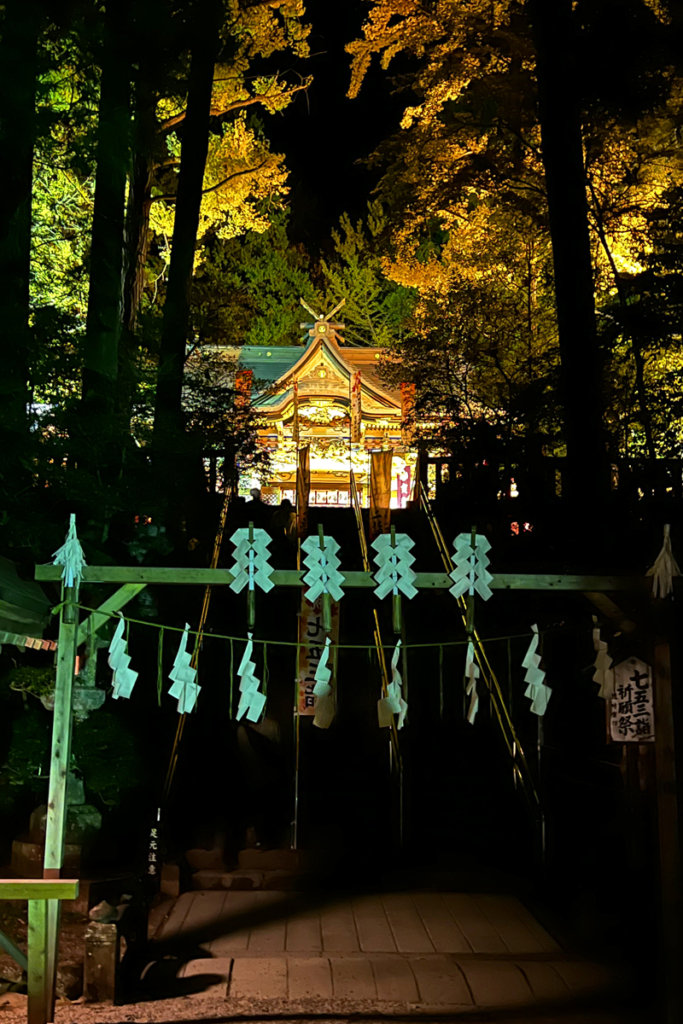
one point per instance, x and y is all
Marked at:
(277, 880)
(415, 982)
(272, 860)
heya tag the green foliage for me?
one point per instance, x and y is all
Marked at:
(104, 753)
(246, 290)
(377, 309)
(28, 759)
(40, 682)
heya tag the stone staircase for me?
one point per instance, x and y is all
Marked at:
(276, 870)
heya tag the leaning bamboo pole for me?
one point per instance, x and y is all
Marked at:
(520, 765)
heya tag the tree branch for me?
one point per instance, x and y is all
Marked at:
(212, 188)
(171, 122)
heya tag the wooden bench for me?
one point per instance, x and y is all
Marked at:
(41, 968)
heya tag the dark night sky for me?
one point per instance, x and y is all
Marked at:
(324, 133)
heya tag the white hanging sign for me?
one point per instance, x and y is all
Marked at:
(322, 563)
(394, 573)
(251, 568)
(470, 573)
(633, 716)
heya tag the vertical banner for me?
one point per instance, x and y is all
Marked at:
(632, 718)
(303, 487)
(407, 412)
(404, 487)
(295, 421)
(243, 382)
(312, 638)
(355, 399)
(380, 492)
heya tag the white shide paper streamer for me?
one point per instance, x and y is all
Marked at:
(252, 701)
(119, 661)
(665, 568)
(393, 703)
(537, 690)
(251, 566)
(322, 563)
(322, 691)
(394, 574)
(183, 676)
(470, 573)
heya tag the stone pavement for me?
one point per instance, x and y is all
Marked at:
(293, 952)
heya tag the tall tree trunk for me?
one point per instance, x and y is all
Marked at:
(19, 32)
(559, 99)
(136, 236)
(103, 324)
(168, 420)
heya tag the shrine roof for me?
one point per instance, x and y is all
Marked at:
(268, 364)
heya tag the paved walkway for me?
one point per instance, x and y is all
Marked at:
(415, 950)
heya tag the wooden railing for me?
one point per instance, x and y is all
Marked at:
(637, 480)
(43, 897)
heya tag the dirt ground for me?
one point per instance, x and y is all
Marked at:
(14, 923)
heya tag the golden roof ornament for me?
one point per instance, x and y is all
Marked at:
(323, 326)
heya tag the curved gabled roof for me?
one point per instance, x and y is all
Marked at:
(282, 366)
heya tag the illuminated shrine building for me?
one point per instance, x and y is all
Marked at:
(312, 384)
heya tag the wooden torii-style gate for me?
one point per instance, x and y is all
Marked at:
(133, 579)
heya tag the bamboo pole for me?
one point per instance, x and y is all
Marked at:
(395, 598)
(251, 589)
(327, 599)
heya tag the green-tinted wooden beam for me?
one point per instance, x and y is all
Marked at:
(39, 1010)
(113, 604)
(59, 768)
(294, 578)
(38, 888)
(14, 951)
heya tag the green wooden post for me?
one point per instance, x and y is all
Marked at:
(39, 1011)
(59, 769)
(40, 895)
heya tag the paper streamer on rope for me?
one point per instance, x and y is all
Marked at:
(324, 697)
(470, 573)
(394, 573)
(119, 662)
(537, 690)
(70, 556)
(27, 641)
(184, 688)
(393, 703)
(251, 568)
(604, 673)
(252, 701)
(471, 676)
(664, 569)
(322, 562)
